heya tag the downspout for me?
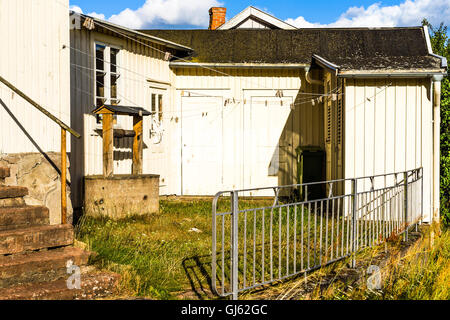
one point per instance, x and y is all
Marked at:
(310, 79)
(436, 80)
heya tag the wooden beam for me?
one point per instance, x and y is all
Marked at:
(108, 145)
(137, 145)
(63, 177)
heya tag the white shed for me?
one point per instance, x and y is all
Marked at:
(363, 96)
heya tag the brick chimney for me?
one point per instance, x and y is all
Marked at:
(216, 17)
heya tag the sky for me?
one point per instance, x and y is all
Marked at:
(193, 14)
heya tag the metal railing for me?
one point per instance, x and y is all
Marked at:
(64, 129)
(257, 245)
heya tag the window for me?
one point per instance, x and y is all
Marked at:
(114, 75)
(106, 76)
(100, 75)
(157, 107)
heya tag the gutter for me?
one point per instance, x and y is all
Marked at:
(177, 64)
(392, 75)
(430, 49)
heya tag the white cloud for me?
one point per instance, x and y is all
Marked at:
(76, 9)
(92, 14)
(97, 15)
(170, 12)
(408, 13)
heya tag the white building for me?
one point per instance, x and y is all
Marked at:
(35, 58)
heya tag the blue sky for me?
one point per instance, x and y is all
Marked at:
(194, 13)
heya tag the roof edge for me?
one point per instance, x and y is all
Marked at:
(325, 63)
(141, 35)
(249, 11)
(177, 64)
(394, 74)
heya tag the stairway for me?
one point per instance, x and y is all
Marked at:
(34, 254)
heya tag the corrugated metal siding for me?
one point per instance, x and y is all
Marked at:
(388, 128)
(137, 63)
(32, 58)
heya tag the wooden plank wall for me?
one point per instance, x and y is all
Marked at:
(389, 129)
(35, 59)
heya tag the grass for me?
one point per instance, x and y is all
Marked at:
(158, 256)
(420, 271)
(168, 255)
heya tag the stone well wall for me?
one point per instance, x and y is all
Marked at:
(39, 175)
(121, 196)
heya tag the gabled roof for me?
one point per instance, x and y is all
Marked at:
(260, 16)
(122, 110)
(350, 48)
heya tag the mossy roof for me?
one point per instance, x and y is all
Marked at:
(350, 48)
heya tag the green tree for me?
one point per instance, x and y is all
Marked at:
(441, 46)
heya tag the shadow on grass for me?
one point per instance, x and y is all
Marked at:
(198, 272)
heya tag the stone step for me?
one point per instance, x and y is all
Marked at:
(40, 266)
(8, 192)
(35, 238)
(4, 172)
(12, 202)
(93, 286)
(21, 217)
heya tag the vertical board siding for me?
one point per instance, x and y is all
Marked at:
(306, 120)
(389, 129)
(33, 59)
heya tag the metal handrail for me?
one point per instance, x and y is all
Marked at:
(40, 108)
(64, 128)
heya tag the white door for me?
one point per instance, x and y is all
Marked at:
(202, 167)
(267, 128)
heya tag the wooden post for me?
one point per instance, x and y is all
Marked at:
(137, 145)
(63, 177)
(108, 145)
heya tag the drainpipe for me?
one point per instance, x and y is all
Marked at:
(310, 79)
(436, 144)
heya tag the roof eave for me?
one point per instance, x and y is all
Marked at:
(137, 34)
(178, 64)
(390, 74)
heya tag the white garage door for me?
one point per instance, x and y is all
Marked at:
(202, 167)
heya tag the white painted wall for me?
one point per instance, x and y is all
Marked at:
(33, 59)
(388, 128)
(256, 134)
(137, 63)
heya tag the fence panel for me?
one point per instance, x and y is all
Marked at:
(257, 245)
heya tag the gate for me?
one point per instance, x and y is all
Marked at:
(257, 245)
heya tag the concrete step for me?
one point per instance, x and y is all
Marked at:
(4, 172)
(41, 266)
(8, 192)
(35, 238)
(21, 217)
(93, 286)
